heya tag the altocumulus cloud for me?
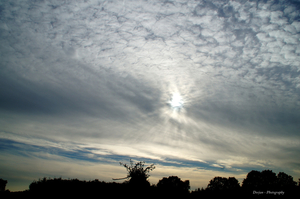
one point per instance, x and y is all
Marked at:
(85, 84)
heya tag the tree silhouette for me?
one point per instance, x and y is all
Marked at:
(2, 184)
(285, 181)
(253, 180)
(233, 183)
(137, 174)
(217, 184)
(267, 180)
(221, 184)
(174, 184)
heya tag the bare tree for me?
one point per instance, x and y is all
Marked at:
(137, 174)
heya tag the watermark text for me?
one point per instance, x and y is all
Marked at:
(268, 192)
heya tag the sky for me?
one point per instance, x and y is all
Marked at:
(199, 88)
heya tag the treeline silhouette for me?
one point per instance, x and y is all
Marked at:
(264, 184)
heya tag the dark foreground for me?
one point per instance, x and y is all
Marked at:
(57, 188)
(264, 184)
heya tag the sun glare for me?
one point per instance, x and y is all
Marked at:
(176, 101)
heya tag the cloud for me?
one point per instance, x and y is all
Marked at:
(92, 80)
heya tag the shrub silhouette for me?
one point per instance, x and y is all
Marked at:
(76, 187)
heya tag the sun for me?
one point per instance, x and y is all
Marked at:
(176, 101)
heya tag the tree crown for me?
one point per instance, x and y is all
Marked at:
(137, 173)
